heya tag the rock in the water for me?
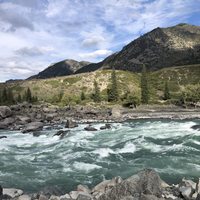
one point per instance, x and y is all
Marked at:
(195, 127)
(70, 124)
(61, 133)
(5, 111)
(49, 191)
(198, 186)
(33, 126)
(1, 192)
(12, 192)
(1, 137)
(90, 128)
(107, 126)
(146, 182)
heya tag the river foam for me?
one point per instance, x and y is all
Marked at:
(82, 157)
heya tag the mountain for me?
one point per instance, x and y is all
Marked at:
(161, 48)
(62, 68)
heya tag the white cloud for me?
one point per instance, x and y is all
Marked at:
(93, 42)
(95, 54)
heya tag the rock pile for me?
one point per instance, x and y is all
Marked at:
(146, 185)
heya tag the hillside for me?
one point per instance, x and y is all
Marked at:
(161, 48)
(62, 68)
(177, 77)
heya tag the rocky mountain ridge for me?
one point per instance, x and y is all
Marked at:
(62, 68)
(160, 48)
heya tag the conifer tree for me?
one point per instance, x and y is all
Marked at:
(4, 95)
(96, 96)
(166, 92)
(19, 98)
(28, 95)
(10, 97)
(113, 94)
(144, 87)
(82, 96)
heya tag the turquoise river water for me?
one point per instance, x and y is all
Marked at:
(30, 163)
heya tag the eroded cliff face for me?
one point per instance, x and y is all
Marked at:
(160, 48)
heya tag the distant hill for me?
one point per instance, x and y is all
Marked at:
(158, 49)
(161, 48)
(62, 68)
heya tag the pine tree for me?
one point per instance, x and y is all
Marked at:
(96, 96)
(10, 97)
(113, 94)
(82, 96)
(28, 95)
(144, 87)
(19, 98)
(166, 92)
(4, 95)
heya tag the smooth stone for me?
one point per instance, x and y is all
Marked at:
(12, 192)
(24, 197)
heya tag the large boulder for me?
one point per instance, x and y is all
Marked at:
(9, 120)
(49, 191)
(70, 124)
(145, 183)
(3, 125)
(106, 126)
(116, 112)
(90, 128)
(12, 192)
(1, 137)
(5, 112)
(33, 126)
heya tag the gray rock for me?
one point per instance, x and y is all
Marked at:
(23, 118)
(42, 197)
(15, 107)
(116, 112)
(49, 191)
(83, 188)
(50, 117)
(113, 182)
(12, 192)
(65, 197)
(187, 192)
(75, 194)
(90, 128)
(54, 198)
(106, 126)
(61, 133)
(33, 126)
(198, 197)
(147, 182)
(24, 197)
(1, 137)
(187, 183)
(70, 124)
(101, 187)
(5, 111)
(9, 120)
(32, 115)
(198, 186)
(3, 125)
(84, 197)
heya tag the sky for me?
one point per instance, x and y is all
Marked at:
(36, 33)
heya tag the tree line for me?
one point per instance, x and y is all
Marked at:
(7, 97)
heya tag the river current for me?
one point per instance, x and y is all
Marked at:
(30, 163)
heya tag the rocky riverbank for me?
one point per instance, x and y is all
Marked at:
(146, 185)
(27, 117)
